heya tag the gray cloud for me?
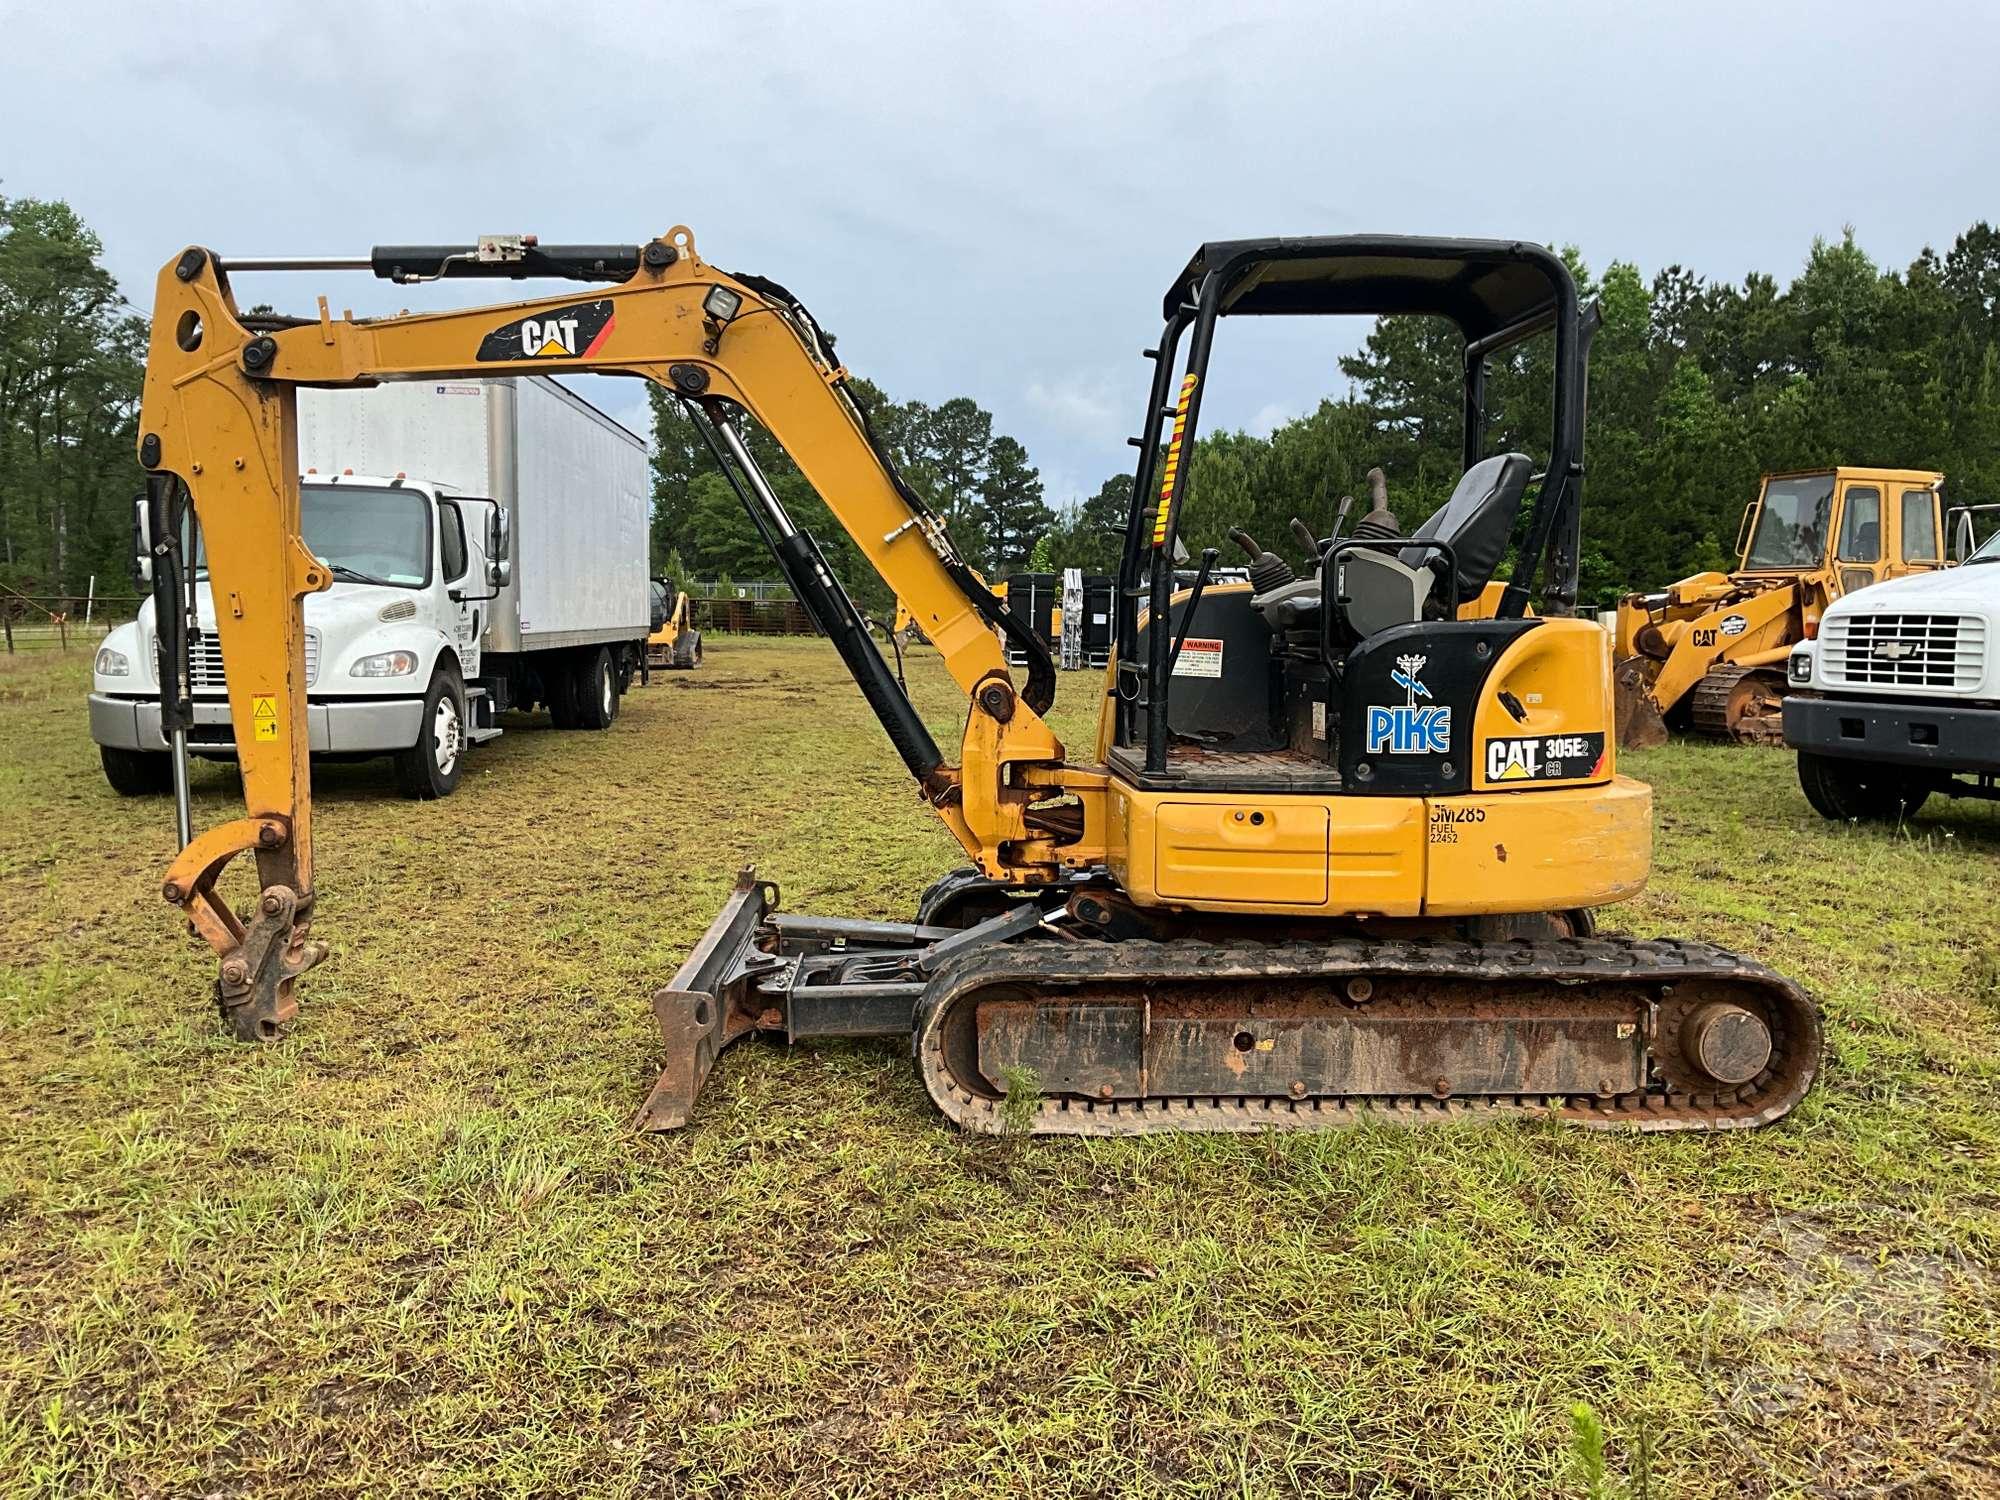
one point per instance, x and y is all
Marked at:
(989, 200)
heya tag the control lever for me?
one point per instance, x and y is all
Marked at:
(1307, 540)
(1340, 517)
(1267, 570)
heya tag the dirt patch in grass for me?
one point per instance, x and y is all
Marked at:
(411, 1249)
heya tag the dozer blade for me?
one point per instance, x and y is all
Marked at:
(1640, 726)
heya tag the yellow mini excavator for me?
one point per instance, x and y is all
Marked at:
(1333, 857)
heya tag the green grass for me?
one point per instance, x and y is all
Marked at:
(412, 1250)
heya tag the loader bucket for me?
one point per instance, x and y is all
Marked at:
(1640, 726)
(707, 1006)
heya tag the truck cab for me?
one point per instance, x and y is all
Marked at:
(1897, 696)
(1851, 527)
(390, 648)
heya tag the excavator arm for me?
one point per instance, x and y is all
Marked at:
(220, 419)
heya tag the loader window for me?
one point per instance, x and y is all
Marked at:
(1861, 527)
(368, 535)
(1792, 523)
(1920, 538)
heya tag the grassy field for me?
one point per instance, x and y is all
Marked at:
(411, 1249)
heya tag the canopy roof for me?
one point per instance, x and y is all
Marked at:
(1482, 285)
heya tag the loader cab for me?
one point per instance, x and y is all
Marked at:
(1356, 665)
(1848, 526)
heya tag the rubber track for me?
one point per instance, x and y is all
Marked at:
(1572, 964)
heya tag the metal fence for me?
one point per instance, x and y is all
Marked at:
(59, 622)
(759, 589)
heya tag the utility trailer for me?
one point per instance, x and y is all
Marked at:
(488, 545)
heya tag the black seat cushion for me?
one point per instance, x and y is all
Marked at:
(1476, 521)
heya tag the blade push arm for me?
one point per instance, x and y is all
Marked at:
(220, 413)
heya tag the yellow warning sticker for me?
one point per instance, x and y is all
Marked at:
(264, 716)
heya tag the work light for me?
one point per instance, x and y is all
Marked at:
(722, 304)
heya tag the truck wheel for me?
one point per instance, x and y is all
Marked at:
(1852, 791)
(137, 773)
(559, 688)
(430, 768)
(596, 690)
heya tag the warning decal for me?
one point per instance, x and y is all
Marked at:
(264, 717)
(1199, 658)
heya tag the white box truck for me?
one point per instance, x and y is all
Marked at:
(488, 544)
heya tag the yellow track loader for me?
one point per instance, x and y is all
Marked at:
(1710, 651)
(1334, 854)
(675, 644)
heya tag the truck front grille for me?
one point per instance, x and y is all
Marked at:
(1945, 653)
(205, 661)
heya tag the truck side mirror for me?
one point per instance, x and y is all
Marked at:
(1961, 534)
(499, 547)
(142, 542)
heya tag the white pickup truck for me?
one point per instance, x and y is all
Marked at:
(1898, 697)
(487, 541)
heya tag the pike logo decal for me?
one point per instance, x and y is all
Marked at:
(1408, 728)
(566, 333)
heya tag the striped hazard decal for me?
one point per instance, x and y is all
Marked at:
(1173, 468)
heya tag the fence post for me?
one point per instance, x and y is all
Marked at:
(90, 601)
(7, 620)
(62, 629)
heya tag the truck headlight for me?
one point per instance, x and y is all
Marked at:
(113, 663)
(1802, 667)
(386, 664)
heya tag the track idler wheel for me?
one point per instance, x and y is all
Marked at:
(1727, 1042)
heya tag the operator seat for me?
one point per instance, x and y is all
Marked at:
(1475, 523)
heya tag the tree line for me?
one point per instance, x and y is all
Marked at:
(980, 482)
(72, 354)
(1696, 387)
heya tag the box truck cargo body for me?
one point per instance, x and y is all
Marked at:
(488, 542)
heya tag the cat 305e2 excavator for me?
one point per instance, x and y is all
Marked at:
(1337, 849)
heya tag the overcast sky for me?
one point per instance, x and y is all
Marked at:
(990, 199)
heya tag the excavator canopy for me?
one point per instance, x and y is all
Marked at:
(1484, 286)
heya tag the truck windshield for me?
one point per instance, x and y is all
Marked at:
(1987, 551)
(367, 535)
(1792, 525)
(362, 534)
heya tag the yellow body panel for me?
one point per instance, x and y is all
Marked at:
(1542, 850)
(1560, 674)
(1582, 840)
(1321, 855)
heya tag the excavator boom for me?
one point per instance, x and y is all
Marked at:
(220, 426)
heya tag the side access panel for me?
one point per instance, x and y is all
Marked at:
(1225, 851)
